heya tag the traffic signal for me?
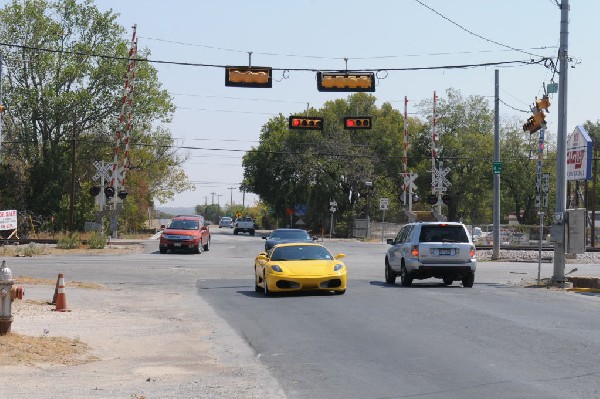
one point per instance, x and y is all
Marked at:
(542, 104)
(535, 122)
(345, 81)
(306, 122)
(357, 122)
(109, 192)
(248, 76)
(94, 190)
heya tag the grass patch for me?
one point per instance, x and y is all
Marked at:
(16, 348)
(29, 250)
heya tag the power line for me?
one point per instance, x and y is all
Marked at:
(473, 33)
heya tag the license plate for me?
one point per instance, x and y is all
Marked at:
(444, 251)
(177, 244)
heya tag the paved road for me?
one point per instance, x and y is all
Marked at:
(497, 339)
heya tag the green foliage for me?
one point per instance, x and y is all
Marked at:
(97, 240)
(70, 240)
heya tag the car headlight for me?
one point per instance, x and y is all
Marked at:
(337, 267)
(276, 268)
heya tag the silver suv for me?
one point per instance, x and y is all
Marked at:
(431, 249)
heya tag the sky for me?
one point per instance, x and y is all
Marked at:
(220, 123)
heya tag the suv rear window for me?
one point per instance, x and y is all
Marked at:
(441, 233)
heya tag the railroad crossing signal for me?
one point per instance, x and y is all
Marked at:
(249, 76)
(439, 182)
(345, 81)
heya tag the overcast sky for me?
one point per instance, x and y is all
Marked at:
(221, 123)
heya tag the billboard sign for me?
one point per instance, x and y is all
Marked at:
(8, 220)
(579, 155)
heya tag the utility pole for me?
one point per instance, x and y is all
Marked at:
(72, 190)
(496, 232)
(1, 105)
(205, 200)
(561, 146)
(212, 202)
(219, 200)
(231, 196)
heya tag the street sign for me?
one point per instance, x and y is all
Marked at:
(497, 168)
(383, 203)
(552, 88)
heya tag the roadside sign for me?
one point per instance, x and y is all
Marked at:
(497, 168)
(383, 203)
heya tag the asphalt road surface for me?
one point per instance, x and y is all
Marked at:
(498, 339)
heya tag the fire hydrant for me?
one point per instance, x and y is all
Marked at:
(8, 293)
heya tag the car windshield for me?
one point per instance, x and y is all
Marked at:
(301, 252)
(443, 233)
(184, 225)
(290, 234)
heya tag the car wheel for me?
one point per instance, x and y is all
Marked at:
(390, 276)
(405, 279)
(251, 232)
(266, 286)
(163, 250)
(198, 248)
(448, 281)
(235, 232)
(207, 246)
(341, 292)
(468, 280)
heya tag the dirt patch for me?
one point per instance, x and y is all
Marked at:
(44, 281)
(21, 349)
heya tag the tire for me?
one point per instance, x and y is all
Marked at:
(390, 276)
(252, 232)
(448, 281)
(405, 279)
(198, 249)
(163, 250)
(235, 232)
(468, 280)
(266, 290)
(207, 246)
(342, 292)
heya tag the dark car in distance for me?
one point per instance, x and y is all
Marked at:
(280, 236)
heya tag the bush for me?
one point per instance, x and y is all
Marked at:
(97, 240)
(68, 241)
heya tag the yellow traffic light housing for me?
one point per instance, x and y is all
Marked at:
(535, 122)
(542, 104)
(345, 81)
(306, 122)
(357, 122)
(248, 76)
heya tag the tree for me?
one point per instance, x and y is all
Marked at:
(66, 62)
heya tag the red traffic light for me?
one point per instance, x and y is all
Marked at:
(357, 122)
(306, 122)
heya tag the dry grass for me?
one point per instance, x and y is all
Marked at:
(22, 349)
(44, 281)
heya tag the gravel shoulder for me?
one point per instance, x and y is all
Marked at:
(132, 344)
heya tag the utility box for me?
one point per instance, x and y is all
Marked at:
(575, 231)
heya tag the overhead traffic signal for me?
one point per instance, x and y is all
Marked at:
(542, 104)
(306, 122)
(249, 76)
(357, 122)
(535, 122)
(345, 81)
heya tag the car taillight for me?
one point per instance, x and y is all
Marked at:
(472, 252)
(415, 251)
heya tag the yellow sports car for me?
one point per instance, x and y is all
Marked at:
(299, 266)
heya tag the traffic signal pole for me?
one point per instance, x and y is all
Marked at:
(561, 154)
(496, 212)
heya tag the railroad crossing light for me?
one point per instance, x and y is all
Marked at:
(432, 199)
(247, 76)
(94, 190)
(446, 199)
(534, 123)
(306, 122)
(344, 81)
(357, 122)
(122, 194)
(109, 192)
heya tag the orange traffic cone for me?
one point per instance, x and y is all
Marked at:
(61, 298)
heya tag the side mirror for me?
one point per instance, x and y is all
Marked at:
(264, 237)
(390, 241)
(315, 238)
(340, 256)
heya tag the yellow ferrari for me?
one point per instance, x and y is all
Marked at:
(299, 266)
